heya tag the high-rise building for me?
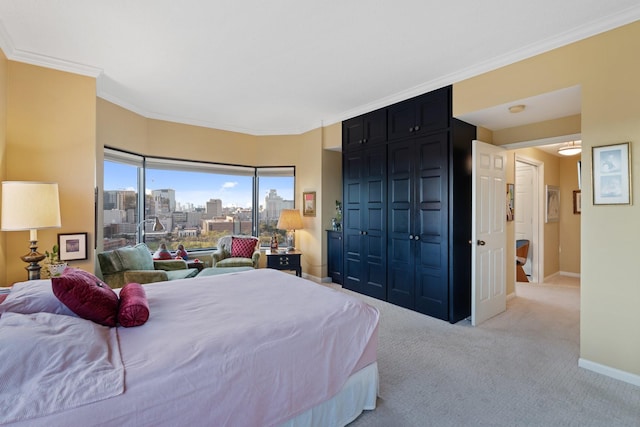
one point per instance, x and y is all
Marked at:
(119, 199)
(164, 200)
(214, 208)
(274, 204)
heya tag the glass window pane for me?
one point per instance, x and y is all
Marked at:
(274, 193)
(120, 204)
(196, 208)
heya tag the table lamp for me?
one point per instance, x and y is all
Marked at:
(290, 220)
(30, 206)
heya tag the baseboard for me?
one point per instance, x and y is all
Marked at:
(313, 278)
(609, 372)
(561, 273)
(511, 296)
(569, 274)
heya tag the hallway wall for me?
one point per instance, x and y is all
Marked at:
(569, 222)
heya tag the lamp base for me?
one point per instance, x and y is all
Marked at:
(33, 258)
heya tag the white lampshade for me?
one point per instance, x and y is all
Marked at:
(290, 219)
(29, 205)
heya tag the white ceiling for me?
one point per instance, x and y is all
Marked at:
(288, 66)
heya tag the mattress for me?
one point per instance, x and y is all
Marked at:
(255, 348)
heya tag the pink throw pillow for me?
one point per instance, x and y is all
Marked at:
(134, 308)
(87, 296)
(242, 247)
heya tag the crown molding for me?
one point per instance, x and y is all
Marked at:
(32, 58)
(205, 123)
(586, 30)
(621, 18)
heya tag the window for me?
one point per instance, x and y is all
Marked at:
(275, 189)
(196, 202)
(122, 173)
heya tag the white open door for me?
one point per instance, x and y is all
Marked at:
(488, 232)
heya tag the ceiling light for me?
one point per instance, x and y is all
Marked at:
(517, 108)
(572, 148)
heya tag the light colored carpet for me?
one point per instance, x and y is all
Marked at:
(517, 369)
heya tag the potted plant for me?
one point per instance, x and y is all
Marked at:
(336, 222)
(52, 260)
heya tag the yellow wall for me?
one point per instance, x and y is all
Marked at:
(564, 126)
(50, 136)
(3, 163)
(606, 67)
(569, 222)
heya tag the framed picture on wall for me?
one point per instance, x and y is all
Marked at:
(72, 247)
(552, 211)
(510, 202)
(577, 202)
(309, 203)
(611, 174)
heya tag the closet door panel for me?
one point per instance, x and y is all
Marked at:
(353, 191)
(401, 181)
(433, 110)
(374, 227)
(400, 257)
(352, 133)
(432, 224)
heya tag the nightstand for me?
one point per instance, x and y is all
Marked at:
(285, 261)
(193, 264)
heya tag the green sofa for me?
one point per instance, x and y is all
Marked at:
(134, 264)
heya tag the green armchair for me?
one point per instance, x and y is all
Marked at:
(222, 257)
(134, 264)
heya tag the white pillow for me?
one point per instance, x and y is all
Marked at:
(34, 296)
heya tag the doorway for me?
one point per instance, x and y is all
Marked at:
(528, 212)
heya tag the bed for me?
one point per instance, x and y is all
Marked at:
(254, 348)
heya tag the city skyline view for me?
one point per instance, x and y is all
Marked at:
(195, 188)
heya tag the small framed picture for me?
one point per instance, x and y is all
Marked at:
(510, 202)
(72, 247)
(309, 203)
(612, 174)
(552, 213)
(577, 202)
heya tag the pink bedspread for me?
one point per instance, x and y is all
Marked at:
(243, 349)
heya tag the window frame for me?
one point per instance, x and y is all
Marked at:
(143, 163)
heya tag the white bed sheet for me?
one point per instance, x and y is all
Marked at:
(255, 348)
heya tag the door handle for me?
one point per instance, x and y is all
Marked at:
(481, 243)
(410, 236)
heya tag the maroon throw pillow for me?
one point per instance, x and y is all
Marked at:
(242, 247)
(87, 296)
(134, 308)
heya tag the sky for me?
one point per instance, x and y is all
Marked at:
(196, 187)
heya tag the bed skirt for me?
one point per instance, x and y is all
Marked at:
(358, 394)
